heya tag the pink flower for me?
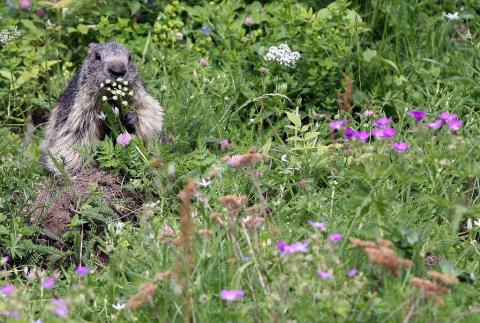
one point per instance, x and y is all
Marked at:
(7, 289)
(400, 147)
(48, 283)
(82, 271)
(15, 315)
(446, 116)
(417, 114)
(384, 133)
(286, 249)
(318, 225)
(234, 160)
(204, 61)
(352, 272)
(335, 237)
(61, 307)
(25, 5)
(249, 21)
(325, 274)
(455, 124)
(259, 175)
(382, 122)
(224, 144)
(349, 133)
(337, 125)
(434, 124)
(369, 114)
(361, 136)
(124, 138)
(231, 295)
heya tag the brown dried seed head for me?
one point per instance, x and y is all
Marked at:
(232, 202)
(217, 217)
(384, 243)
(447, 280)
(253, 222)
(144, 293)
(357, 243)
(163, 276)
(257, 209)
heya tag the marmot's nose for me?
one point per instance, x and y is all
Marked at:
(117, 68)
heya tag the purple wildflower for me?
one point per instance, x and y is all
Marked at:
(446, 116)
(249, 21)
(48, 283)
(286, 249)
(7, 289)
(124, 138)
(259, 175)
(14, 314)
(325, 274)
(349, 133)
(337, 125)
(335, 237)
(25, 5)
(234, 160)
(4, 260)
(318, 225)
(361, 136)
(417, 114)
(382, 122)
(400, 147)
(82, 271)
(384, 133)
(204, 61)
(434, 124)
(224, 144)
(206, 30)
(352, 272)
(455, 124)
(61, 307)
(231, 295)
(11, 4)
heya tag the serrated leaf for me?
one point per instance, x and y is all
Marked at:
(311, 135)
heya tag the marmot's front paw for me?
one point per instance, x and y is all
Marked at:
(130, 121)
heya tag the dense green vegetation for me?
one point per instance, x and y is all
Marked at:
(293, 156)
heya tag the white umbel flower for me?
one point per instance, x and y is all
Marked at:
(283, 55)
(115, 111)
(104, 98)
(451, 16)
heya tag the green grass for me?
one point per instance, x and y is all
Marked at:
(402, 55)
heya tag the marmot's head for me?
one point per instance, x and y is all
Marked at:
(109, 61)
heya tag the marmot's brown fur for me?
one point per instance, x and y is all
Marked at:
(76, 120)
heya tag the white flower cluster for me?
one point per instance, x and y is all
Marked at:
(9, 34)
(119, 91)
(282, 54)
(451, 16)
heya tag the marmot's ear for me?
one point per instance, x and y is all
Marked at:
(92, 46)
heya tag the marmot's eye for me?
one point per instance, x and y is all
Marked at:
(129, 57)
(98, 57)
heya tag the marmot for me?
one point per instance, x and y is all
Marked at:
(76, 118)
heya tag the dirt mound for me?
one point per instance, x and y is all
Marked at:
(54, 208)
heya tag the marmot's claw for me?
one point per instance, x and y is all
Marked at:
(130, 121)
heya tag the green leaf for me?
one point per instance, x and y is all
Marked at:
(295, 119)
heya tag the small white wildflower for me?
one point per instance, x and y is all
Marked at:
(119, 306)
(102, 85)
(114, 83)
(115, 111)
(451, 16)
(9, 34)
(283, 158)
(107, 81)
(122, 93)
(101, 115)
(124, 102)
(204, 182)
(119, 79)
(130, 93)
(118, 227)
(118, 91)
(282, 54)
(114, 97)
(104, 98)
(119, 86)
(163, 88)
(477, 223)
(125, 82)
